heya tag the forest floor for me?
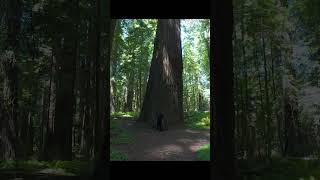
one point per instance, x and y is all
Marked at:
(176, 144)
(44, 170)
(285, 169)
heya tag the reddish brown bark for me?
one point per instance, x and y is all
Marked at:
(164, 88)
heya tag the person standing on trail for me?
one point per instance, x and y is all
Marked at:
(160, 120)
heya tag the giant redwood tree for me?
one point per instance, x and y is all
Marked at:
(164, 88)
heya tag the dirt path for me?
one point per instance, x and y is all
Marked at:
(177, 144)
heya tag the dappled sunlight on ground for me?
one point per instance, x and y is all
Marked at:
(172, 145)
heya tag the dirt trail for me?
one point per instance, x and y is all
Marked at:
(178, 144)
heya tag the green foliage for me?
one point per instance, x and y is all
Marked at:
(120, 114)
(195, 37)
(131, 54)
(197, 120)
(205, 121)
(203, 154)
(116, 155)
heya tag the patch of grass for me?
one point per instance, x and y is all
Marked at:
(119, 135)
(133, 115)
(203, 154)
(116, 155)
(197, 119)
(115, 127)
(124, 137)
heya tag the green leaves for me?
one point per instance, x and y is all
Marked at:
(195, 36)
(197, 120)
(132, 50)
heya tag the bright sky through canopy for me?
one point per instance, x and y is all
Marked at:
(190, 30)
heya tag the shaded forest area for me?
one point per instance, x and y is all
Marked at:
(159, 67)
(53, 99)
(276, 59)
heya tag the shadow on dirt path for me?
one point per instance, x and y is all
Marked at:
(178, 144)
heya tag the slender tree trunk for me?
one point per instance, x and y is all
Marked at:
(86, 118)
(272, 74)
(260, 116)
(245, 107)
(130, 93)
(99, 82)
(268, 119)
(43, 125)
(259, 80)
(237, 87)
(30, 134)
(140, 89)
(200, 99)
(290, 115)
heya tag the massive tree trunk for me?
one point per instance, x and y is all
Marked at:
(9, 141)
(100, 82)
(223, 105)
(47, 128)
(164, 88)
(245, 122)
(101, 170)
(290, 112)
(66, 57)
(86, 109)
(87, 91)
